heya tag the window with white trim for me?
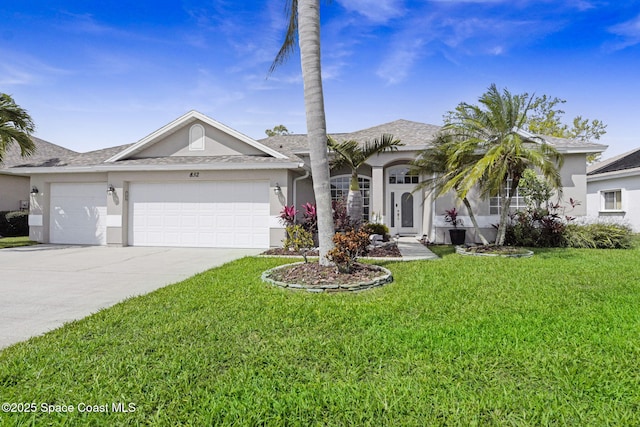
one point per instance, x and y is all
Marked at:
(612, 200)
(340, 191)
(517, 202)
(196, 138)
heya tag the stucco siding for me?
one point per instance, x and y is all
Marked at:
(13, 189)
(630, 191)
(217, 143)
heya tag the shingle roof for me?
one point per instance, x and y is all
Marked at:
(46, 154)
(413, 134)
(625, 161)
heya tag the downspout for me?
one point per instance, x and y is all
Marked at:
(306, 175)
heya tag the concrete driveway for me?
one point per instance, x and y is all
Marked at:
(44, 286)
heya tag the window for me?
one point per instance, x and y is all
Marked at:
(402, 176)
(517, 202)
(196, 138)
(340, 191)
(612, 200)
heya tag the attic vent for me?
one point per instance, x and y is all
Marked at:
(196, 138)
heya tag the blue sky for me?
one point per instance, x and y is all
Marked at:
(95, 74)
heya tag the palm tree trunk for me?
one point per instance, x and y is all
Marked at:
(474, 221)
(505, 206)
(309, 40)
(354, 200)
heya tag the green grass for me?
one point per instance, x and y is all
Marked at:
(12, 242)
(549, 340)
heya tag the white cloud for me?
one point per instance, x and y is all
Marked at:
(628, 31)
(378, 11)
(397, 66)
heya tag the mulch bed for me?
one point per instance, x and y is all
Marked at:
(498, 250)
(385, 251)
(314, 274)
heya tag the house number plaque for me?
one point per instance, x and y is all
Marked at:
(194, 175)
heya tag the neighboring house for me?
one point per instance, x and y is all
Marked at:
(14, 186)
(197, 182)
(613, 189)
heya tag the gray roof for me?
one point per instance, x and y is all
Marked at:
(412, 134)
(46, 154)
(625, 161)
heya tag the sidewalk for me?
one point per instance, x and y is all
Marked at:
(412, 250)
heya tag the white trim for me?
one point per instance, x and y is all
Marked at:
(201, 140)
(603, 201)
(176, 167)
(35, 221)
(185, 119)
(613, 174)
(114, 220)
(274, 222)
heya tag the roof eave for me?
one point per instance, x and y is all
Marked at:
(613, 174)
(155, 168)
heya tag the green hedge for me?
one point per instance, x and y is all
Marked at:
(599, 236)
(14, 223)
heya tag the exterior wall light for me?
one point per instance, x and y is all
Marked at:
(110, 189)
(34, 190)
(277, 190)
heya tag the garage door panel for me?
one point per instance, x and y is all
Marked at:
(202, 214)
(78, 214)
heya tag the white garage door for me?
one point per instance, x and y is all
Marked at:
(78, 214)
(199, 214)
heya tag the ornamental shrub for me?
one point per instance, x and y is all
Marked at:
(14, 223)
(599, 236)
(376, 228)
(348, 247)
(299, 239)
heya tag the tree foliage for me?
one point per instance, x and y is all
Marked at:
(545, 118)
(353, 155)
(493, 129)
(277, 130)
(16, 126)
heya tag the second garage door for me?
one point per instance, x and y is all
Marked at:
(78, 214)
(199, 214)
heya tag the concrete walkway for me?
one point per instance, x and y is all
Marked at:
(44, 286)
(412, 250)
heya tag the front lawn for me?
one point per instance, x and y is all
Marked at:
(12, 242)
(549, 340)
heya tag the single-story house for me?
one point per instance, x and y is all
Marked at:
(196, 182)
(613, 189)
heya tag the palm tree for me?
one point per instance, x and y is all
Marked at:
(15, 126)
(304, 20)
(440, 164)
(353, 155)
(495, 131)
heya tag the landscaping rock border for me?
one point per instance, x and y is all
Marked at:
(461, 251)
(352, 287)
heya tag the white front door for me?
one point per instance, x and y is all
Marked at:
(404, 215)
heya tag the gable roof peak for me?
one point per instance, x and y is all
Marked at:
(183, 120)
